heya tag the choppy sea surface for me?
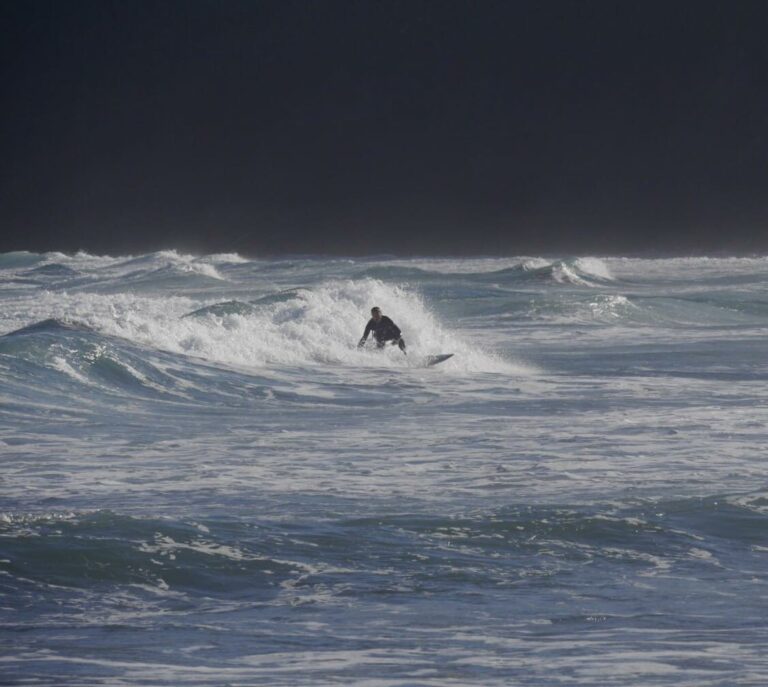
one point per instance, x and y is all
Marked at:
(205, 482)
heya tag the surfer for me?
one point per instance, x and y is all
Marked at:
(384, 330)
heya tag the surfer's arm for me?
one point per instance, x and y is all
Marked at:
(368, 328)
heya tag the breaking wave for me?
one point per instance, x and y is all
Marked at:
(309, 326)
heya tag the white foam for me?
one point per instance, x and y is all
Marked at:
(581, 271)
(204, 268)
(224, 258)
(594, 267)
(564, 274)
(60, 364)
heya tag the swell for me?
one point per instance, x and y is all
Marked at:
(186, 276)
(102, 548)
(537, 271)
(696, 310)
(53, 357)
(421, 552)
(165, 270)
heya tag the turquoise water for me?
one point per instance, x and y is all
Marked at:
(205, 482)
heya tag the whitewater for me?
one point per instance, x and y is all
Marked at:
(205, 482)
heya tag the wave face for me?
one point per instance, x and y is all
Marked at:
(206, 482)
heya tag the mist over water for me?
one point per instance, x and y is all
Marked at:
(206, 482)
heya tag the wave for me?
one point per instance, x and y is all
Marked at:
(199, 268)
(191, 278)
(222, 309)
(695, 311)
(309, 326)
(225, 557)
(57, 356)
(576, 271)
(19, 259)
(240, 308)
(322, 325)
(224, 259)
(685, 268)
(100, 548)
(50, 326)
(160, 269)
(395, 272)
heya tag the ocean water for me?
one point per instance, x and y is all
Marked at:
(204, 482)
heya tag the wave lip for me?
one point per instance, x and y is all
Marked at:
(51, 325)
(222, 309)
(19, 259)
(171, 275)
(577, 272)
(574, 272)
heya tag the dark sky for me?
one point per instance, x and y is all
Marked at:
(372, 126)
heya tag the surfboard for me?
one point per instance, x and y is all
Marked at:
(435, 359)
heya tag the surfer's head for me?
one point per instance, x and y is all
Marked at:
(376, 313)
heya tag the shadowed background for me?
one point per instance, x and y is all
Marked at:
(384, 127)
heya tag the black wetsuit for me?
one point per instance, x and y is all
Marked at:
(384, 330)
